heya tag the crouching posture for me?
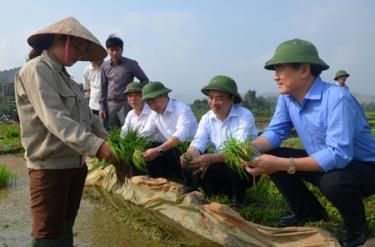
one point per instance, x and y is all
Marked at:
(175, 123)
(225, 119)
(340, 151)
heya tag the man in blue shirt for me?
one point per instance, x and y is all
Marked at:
(339, 155)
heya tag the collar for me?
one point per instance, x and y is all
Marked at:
(120, 61)
(146, 109)
(169, 107)
(52, 61)
(232, 113)
(314, 92)
(316, 89)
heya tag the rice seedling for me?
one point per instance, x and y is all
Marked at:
(124, 148)
(6, 177)
(235, 151)
(182, 147)
(138, 160)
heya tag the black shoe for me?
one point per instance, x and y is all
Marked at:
(187, 189)
(300, 219)
(353, 238)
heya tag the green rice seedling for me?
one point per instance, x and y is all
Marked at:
(98, 163)
(138, 160)
(183, 146)
(6, 177)
(123, 148)
(235, 151)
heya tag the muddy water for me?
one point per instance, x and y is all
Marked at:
(96, 225)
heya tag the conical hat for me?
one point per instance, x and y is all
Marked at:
(71, 26)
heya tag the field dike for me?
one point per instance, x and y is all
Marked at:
(187, 215)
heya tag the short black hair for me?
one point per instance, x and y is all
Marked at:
(314, 69)
(113, 42)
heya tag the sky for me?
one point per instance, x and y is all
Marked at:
(184, 43)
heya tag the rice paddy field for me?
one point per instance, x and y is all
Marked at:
(264, 204)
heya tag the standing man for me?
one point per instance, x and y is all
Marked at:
(341, 77)
(91, 86)
(339, 155)
(175, 122)
(116, 74)
(225, 119)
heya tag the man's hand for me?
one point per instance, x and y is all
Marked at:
(151, 154)
(102, 115)
(201, 163)
(105, 152)
(264, 164)
(185, 159)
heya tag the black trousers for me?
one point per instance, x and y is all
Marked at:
(220, 179)
(166, 166)
(344, 188)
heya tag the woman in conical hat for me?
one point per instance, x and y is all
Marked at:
(57, 128)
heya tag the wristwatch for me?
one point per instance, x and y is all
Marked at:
(161, 151)
(292, 166)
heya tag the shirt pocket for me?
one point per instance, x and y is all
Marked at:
(318, 134)
(69, 100)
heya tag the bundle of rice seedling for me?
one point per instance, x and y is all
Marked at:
(235, 151)
(138, 160)
(183, 146)
(124, 148)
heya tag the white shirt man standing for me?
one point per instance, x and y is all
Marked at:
(91, 86)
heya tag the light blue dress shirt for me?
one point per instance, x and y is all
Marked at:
(239, 124)
(330, 123)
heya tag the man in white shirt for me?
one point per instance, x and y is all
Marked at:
(176, 123)
(91, 86)
(225, 119)
(139, 116)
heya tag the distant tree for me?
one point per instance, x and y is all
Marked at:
(259, 106)
(199, 107)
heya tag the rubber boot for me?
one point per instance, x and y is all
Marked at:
(66, 239)
(43, 242)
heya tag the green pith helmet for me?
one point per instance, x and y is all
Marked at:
(296, 51)
(154, 89)
(133, 87)
(225, 84)
(341, 73)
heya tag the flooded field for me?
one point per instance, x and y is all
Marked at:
(98, 223)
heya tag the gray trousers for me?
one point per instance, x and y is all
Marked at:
(116, 113)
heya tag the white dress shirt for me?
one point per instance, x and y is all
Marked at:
(239, 124)
(177, 120)
(91, 77)
(132, 121)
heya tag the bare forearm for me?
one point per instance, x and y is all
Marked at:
(262, 144)
(170, 143)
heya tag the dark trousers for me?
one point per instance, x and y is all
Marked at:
(220, 179)
(55, 199)
(166, 166)
(344, 188)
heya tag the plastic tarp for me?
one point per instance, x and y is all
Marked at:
(213, 221)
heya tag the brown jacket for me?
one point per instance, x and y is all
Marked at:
(57, 126)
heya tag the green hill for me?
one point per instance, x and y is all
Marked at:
(7, 76)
